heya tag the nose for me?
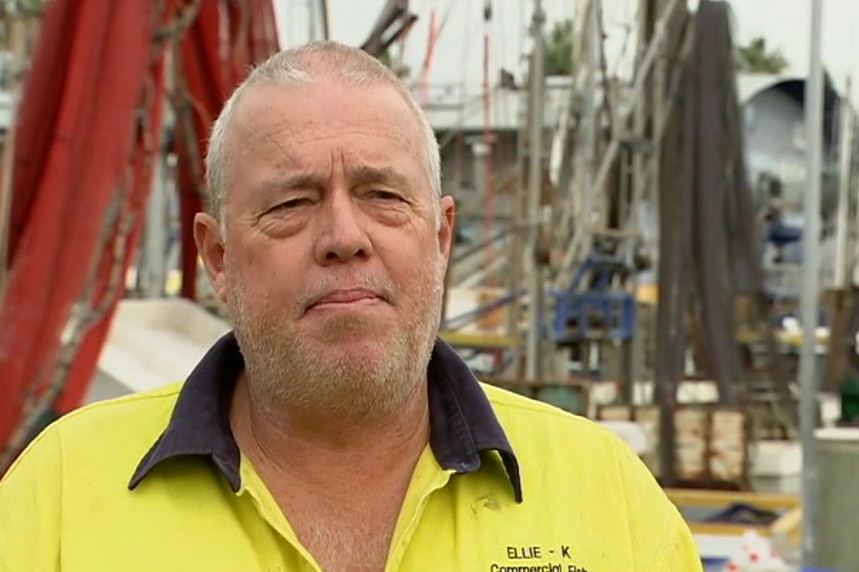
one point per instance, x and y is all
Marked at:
(342, 234)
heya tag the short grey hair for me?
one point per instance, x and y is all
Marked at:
(300, 66)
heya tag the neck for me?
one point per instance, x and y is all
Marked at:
(307, 440)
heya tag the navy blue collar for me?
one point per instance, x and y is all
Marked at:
(462, 422)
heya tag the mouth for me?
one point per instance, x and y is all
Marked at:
(346, 298)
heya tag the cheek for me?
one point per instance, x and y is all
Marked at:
(269, 272)
(420, 273)
(404, 257)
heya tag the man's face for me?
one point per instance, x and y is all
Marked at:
(334, 259)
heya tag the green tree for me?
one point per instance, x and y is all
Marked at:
(22, 7)
(559, 49)
(756, 57)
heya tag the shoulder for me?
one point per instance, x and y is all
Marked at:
(133, 417)
(576, 462)
(102, 432)
(564, 447)
(71, 467)
(131, 410)
(523, 415)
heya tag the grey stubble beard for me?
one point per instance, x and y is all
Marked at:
(286, 371)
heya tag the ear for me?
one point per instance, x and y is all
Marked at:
(207, 236)
(445, 231)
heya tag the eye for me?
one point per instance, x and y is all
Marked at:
(290, 204)
(385, 195)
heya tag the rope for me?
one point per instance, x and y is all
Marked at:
(116, 232)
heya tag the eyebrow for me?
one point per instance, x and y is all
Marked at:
(363, 175)
(299, 180)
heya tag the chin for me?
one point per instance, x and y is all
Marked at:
(366, 376)
(349, 328)
(356, 350)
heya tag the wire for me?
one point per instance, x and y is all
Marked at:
(467, 33)
(489, 171)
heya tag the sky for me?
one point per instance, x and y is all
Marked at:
(785, 24)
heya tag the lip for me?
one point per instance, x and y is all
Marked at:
(345, 297)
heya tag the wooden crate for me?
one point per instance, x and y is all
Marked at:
(711, 443)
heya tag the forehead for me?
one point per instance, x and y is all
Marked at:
(297, 122)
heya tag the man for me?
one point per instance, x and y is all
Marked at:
(332, 431)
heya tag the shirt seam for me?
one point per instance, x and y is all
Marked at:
(114, 403)
(669, 539)
(40, 438)
(559, 414)
(660, 554)
(620, 472)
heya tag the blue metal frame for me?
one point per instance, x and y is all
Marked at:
(591, 296)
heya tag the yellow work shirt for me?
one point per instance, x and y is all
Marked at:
(155, 482)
